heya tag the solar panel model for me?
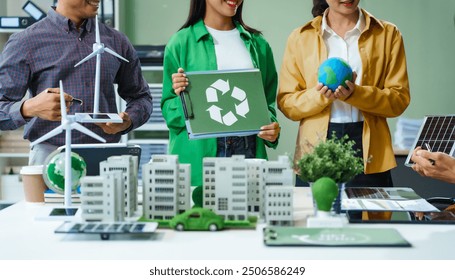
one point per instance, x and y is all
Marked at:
(437, 134)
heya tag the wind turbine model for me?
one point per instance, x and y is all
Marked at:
(98, 49)
(68, 123)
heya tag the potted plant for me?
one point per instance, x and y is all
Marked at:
(334, 158)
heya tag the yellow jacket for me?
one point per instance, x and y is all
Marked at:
(384, 91)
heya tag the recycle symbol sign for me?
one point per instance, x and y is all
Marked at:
(240, 102)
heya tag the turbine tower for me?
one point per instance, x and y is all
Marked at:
(98, 49)
(68, 123)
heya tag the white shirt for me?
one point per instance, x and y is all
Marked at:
(230, 50)
(348, 49)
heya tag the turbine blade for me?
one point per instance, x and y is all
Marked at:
(88, 132)
(88, 57)
(62, 102)
(115, 54)
(50, 134)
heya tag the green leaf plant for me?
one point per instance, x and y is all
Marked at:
(334, 158)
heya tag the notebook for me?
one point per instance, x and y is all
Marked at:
(384, 199)
(224, 103)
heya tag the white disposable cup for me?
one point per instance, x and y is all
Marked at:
(34, 186)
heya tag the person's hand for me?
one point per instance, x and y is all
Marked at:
(324, 90)
(341, 92)
(270, 132)
(179, 81)
(436, 165)
(423, 161)
(45, 105)
(114, 128)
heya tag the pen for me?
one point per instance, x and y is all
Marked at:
(77, 100)
(428, 147)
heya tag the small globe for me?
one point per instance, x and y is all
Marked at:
(334, 72)
(54, 171)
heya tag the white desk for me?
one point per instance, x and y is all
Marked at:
(23, 237)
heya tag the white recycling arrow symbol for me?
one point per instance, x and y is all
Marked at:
(215, 113)
(238, 94)
(241, 109)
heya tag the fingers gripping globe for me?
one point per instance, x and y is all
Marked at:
(54, 171)
(333, 72)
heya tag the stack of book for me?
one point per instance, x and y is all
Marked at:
(52, 197)
(406, 132)
(13, 142)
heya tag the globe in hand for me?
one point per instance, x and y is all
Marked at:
(334, 72)
(54, 171)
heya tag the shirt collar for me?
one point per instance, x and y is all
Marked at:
(201, 31)
(359, 26)
(67, 24)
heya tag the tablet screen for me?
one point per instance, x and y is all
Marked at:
(443, 217)
(63, 212)
(100, 116)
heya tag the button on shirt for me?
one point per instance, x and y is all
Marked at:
(38, 57)
(346, 48)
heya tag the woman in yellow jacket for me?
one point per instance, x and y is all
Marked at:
(379, 90)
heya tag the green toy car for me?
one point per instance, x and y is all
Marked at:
(197, 219)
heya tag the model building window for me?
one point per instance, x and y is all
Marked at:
(223, 204)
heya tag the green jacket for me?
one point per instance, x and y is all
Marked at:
(192, 49)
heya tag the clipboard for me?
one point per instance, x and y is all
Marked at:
(334, 237)
(224, 103)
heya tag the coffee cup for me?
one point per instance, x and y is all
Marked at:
(34, 186)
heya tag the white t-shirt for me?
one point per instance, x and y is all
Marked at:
(230, 50)
(348, 49)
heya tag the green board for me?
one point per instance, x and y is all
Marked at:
(346, 237)
(224, 103)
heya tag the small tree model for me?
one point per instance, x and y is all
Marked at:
(324, 191)
(334, 158)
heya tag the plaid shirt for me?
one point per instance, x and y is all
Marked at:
(46, 52)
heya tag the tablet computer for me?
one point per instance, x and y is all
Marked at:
(437, 218)
(98, 118)
(395, 199)
(93, 154)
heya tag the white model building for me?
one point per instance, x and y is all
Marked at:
(277, 173)
(262, 174)
(225, 186)
(128, 165)
(166, 187)
(256, 183)
(102, 197)
(232, 187)
(279, 205)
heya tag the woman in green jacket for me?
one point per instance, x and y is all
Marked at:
(215, 37)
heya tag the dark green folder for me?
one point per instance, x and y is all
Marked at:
(340, 237)
(224, 103)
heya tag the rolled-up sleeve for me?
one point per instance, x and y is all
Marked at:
(14, 77)
(134, 89)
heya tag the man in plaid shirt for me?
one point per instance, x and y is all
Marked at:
(46, 52)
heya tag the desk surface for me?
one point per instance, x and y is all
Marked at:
(24, 237)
